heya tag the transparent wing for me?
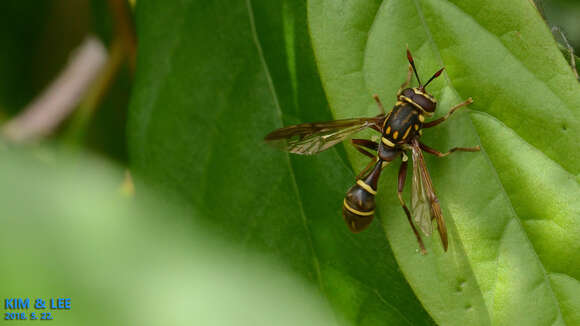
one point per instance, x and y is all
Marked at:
(419, 202)
(425, 198)
(312, 138)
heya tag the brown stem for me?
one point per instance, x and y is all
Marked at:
(125, 29)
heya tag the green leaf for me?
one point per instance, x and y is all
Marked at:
(512, 210)
(67, 233)
(213, 79)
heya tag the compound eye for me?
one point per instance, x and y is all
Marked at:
(431, 106)
(408, 92)
(426, 103)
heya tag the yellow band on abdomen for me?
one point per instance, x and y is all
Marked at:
(366, 187)
(356, 211)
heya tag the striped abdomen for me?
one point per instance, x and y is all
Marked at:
(358, 207)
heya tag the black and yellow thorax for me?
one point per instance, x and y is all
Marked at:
(407, 116)
(402, 124)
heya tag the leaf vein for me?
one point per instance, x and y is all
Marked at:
(290, 167)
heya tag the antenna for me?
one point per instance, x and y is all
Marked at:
(412, 62)
(434, 76)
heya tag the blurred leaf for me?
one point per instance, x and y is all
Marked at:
(131, 263)
(213, 79)
(106, 132)
(513, 209)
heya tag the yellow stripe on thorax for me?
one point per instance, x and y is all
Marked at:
(387, 142)
(412, 102)
(407, 132)
(431, 98)
(416, 105)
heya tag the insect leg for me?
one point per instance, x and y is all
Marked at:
(454, 149)
(369, 144)
(381, 107)
(570, 50)
(400, 186)
(453, 109)
(365, 170)
(377, 124)
(359, 144)
(377, 128)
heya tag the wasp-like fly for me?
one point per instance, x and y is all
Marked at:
(400, 132)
